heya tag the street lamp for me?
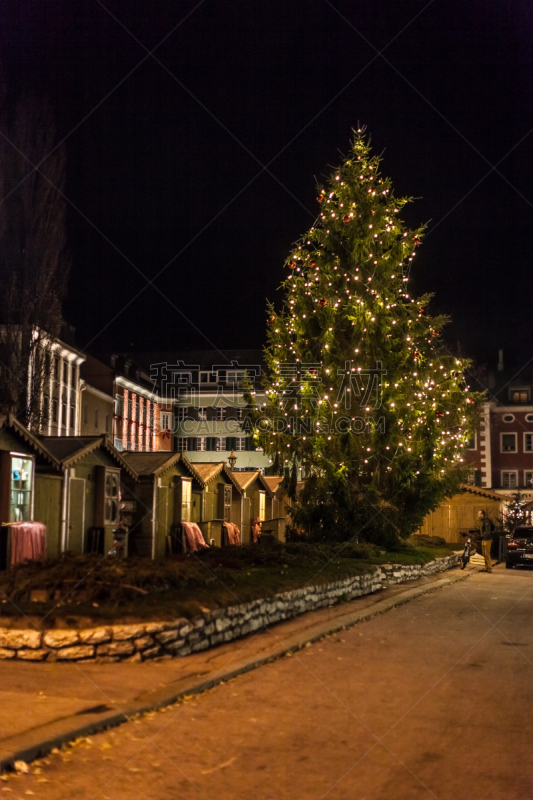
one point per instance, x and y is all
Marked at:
(232, 460)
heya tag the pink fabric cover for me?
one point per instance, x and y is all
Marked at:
(28, 542)
(194, 536)
(234, 534)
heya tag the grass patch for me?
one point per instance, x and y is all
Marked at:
(83, 590)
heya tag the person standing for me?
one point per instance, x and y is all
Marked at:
(486, 526)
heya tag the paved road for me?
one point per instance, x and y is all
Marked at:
(431, 700)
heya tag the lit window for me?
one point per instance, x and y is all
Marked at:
(471, 444)
(181, 443)
(221, 413)
(208, 377)
(202, 414)
(182, 413)
(240, 443)
(519, 395)
(528, 442)
(528, 480)
(220, 444)
(201, 444)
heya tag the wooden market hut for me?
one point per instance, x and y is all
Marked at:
(168, 492)
(279, 517)
(458, 514)
(221, 500)
(27, 492)
(256, 501)
(91, 470)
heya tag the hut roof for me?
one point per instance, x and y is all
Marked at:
(273, 481)
(489, 493)
(207, 470)
(245, 479)
(30, 438)
(67, 450)
(152, 463)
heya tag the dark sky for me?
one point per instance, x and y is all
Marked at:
(166, 158)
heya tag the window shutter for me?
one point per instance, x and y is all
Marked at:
(477, 477)
(249, 444)
(211, 444)
(230, 443)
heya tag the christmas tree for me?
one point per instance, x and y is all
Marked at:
(360, 390)
(515, 513)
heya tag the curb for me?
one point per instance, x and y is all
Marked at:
(38, 742)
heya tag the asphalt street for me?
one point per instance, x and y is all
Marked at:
(430, 700)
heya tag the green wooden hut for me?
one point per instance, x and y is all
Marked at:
(30, 485)
(256, 501)
(91, 470)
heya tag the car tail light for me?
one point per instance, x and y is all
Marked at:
(512, 545)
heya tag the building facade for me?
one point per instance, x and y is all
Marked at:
(202, 401)
(135, 419)
(500, 454)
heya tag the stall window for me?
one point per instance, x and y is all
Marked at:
(21, 487)
(262, 505)
(186, 494)
(111, 498)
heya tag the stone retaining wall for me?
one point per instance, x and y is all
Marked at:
(182, 637)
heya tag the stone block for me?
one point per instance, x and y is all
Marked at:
(6, 653)
(95, 635)
(134, 659)
(116, 649)
(216, 638)
(60, 638)
(222, 624)
(107, 659)
(185, 651)
(209, 629)
(74, 653)
(203, 644)
(144, 642)
(157, 627)
(13, 639)
(167, 636)
(173, 647)
(153, 652)
(185, 630)
(123, 632)
(32, 655)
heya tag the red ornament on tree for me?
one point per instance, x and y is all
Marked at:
(312, 263)
(320, 198)
(292, 265)
(323, 302)
(347, 218)
(416, 240)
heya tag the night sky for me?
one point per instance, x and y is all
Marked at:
(196, 167)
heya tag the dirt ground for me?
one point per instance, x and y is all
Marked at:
(430, 700)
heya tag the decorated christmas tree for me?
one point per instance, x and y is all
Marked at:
(361, 392)
(515, 513)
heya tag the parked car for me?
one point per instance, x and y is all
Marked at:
(520, 547)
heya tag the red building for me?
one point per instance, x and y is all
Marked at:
(501, 453)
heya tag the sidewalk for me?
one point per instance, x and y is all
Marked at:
(43, 706)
